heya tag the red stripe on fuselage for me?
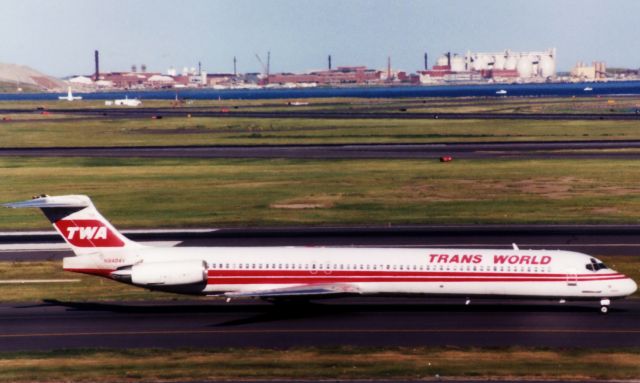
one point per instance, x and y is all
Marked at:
(326, 276)
(356, 273)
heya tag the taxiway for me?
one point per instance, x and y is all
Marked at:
(629, 149)
(347, 321)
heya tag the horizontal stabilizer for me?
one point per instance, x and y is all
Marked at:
(66, 201)
(297, 291)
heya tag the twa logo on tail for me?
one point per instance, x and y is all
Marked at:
(88, 233)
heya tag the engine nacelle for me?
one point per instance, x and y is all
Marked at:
(168, 273)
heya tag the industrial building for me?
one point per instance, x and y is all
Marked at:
(504, 66)
(596, 72)
(342, 75)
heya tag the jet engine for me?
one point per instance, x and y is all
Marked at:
(164, 273)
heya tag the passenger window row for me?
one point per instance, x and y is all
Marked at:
(382, 267)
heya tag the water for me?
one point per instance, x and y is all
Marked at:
(539, 90)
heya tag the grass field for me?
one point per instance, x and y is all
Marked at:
(247, 131)
(201, 193)
(337, 363)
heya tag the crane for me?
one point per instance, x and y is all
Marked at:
(265, 68)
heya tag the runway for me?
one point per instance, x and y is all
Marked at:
(349, 321)
(597, 240)
(469, 150)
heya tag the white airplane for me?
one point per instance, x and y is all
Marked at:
(274, 273)
(69, 96)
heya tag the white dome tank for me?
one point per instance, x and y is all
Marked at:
(498, 62)
(525, 67)
(547, 66)
(457, 64)
(511, 62)
(442, 61)
(480, 62)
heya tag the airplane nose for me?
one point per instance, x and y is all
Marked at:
(629, 286)
(633, 286)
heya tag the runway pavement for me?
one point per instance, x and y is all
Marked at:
(597, 240)
(469, 150)
(349, 321)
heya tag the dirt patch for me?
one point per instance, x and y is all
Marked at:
(605, 210)
(477, 190)
(252, 184)
(552, 188)
(321, 201)
(453, 190)
(618, 191)
(298, 206)
(180, 130)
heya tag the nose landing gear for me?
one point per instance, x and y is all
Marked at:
(604, 305)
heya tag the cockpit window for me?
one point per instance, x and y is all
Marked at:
(595, 265)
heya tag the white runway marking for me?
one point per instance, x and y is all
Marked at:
(24, 281)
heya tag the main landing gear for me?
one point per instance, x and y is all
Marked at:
(604, 305)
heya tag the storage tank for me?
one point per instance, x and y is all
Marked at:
(442, 61)
(457, 64)
(525, 67)
(547, 66)
(480, 62)
(488, 61)
(511, 62)
(498, 62)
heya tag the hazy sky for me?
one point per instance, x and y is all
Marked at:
(59, 37)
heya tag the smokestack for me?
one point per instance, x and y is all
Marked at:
(268, 63)
(389, 68)
(235, 72)
(96, 56)
(199, 68)
(426, 62)
(329, 59)
(449, 59)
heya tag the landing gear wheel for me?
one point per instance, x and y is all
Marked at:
(604, 305)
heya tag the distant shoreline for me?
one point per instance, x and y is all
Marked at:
(580, 89)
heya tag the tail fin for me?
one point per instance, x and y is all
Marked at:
(79, 223)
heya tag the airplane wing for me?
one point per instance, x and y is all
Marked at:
(298, 291)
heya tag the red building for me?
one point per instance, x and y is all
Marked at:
(342, 75)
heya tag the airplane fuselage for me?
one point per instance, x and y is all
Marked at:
(449, 272)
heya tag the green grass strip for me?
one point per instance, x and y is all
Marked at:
(53, 130)
(203, 193)
(153, 365)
